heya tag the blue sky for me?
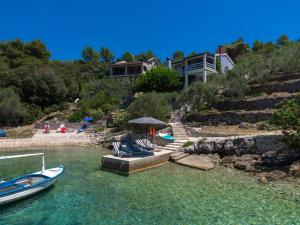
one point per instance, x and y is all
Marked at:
(67, 26)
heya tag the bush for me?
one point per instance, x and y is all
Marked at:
(77, 116)
(149, 104)
(187, 144)
(11, 109)
(33, 112)
(120, 119)
(261, 67)
(201, 95)
(159, 79)
(234, 86)
(287, 117)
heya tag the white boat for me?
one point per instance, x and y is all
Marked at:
(30, 184)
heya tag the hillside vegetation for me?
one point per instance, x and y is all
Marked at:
(36, 85)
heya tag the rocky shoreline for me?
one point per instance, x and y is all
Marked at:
(266, 157)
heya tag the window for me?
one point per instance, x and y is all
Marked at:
(131, 70)
(138, 70)
(118, 70)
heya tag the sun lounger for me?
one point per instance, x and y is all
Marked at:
(136, 149)
(149, 144)
(119, 150)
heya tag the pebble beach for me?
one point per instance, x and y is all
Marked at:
(40, 139)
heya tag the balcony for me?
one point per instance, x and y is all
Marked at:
(194, 68)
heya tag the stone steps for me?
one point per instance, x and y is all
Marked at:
(180, 135)
(175, 144)
(177, 156)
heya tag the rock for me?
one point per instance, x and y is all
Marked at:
(214, 157)
(206, 148)
(295, 169)
(279, 159)
(275, 175)
(241, 165)
(197, 161)
(228, 146)
(249, 157)
(247, 162)
(219, 147)
(227, 160)
(190, 148)
(244, 125)
(244, 146)
(263, 179)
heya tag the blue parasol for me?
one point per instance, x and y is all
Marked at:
(87, 119)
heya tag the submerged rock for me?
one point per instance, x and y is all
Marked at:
(197, 161)
(295, 169)
(263, 179)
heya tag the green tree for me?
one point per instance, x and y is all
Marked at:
(128, 57)
(44, 87)
(106, 55)
(193, 53)
(283, 40)
(11, 109)
(201, 95)
(37, 49)
(144, 56)
(258, 45)
(89, 55)
(159, 79)
(149, 104)
(287, 116)
(237, 49)
(178, 56)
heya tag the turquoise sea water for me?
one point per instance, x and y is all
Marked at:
(170, 194)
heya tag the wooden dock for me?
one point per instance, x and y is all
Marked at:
(134, 164)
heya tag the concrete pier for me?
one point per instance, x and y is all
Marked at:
(134, 164)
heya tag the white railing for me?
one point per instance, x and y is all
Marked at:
(195, 66)
(210, 65)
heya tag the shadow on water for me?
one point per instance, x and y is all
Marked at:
(25, 202)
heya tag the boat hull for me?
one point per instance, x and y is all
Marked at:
(53, 175)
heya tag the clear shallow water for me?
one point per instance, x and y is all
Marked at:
(170, 194)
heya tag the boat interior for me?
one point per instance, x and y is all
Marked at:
(21, 183)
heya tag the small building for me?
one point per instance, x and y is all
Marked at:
(126, 69)
(200, 66)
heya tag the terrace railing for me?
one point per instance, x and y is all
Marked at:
(196, 66)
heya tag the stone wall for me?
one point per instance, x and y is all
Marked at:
(291, 86)
(238, 145)
(228, 118)
(258, 103)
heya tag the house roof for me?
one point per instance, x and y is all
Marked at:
(124, 62)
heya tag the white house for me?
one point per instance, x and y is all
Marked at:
(125, 69)
(200, 66)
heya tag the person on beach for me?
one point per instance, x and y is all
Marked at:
(46, 128)
(62, 128)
